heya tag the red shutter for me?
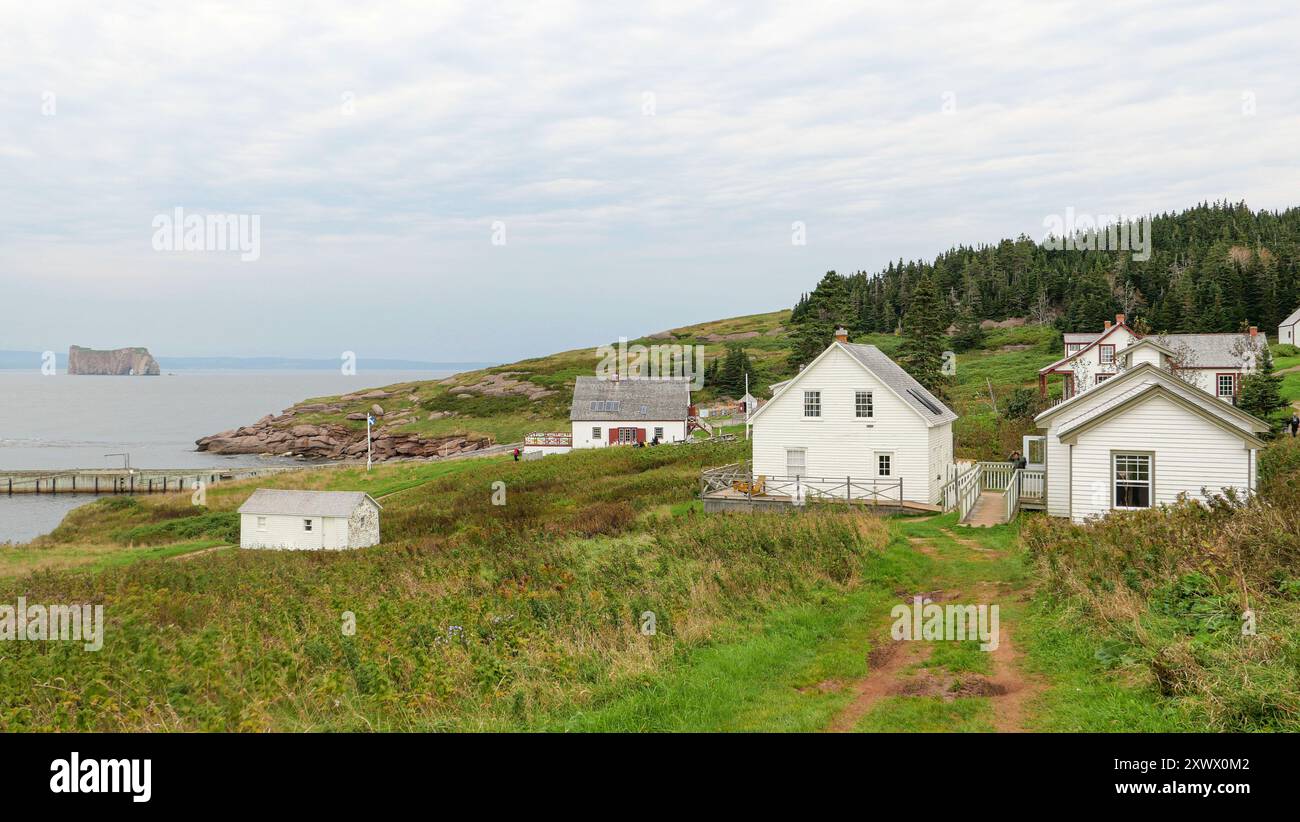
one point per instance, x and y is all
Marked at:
(613, 435)
(640, 435)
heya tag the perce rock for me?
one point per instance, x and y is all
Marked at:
(121, 362)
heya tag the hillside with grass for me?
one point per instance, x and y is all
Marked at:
(503, 403)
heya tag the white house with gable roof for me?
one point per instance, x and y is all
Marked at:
(627, 411)
(854, 413)
(1142, 438)
(1214, 363)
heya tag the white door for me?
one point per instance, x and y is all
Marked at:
(1034, 450)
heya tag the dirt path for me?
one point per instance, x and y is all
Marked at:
(898, 668)
(199, 553)
(887, 665)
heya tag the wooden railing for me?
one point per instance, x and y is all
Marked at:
(821, 489)
(1033, 484)
(961, 491)
(995, 476)
(968, 491)
(1012, 495)
(1024, 484)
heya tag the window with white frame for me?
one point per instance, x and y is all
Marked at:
(796, 462)
(261, 523)
(812, 403)
(884, 464)
(1227, 385)
(1107, 354)
(1101, 378)
(595, 432)
(306, 525)
(659, 434)
(864, 408)
(1132, 480)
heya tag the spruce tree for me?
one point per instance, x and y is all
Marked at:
(921, 354)
(1261, 392)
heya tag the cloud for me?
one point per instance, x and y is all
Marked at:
(647, 161)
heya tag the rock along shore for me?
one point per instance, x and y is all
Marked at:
(286, 435)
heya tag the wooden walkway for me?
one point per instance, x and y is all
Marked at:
(124, 480)
(990, 509)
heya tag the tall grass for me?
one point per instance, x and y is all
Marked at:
(469, 615)
(1166, 593)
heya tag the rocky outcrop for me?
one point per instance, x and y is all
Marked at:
(281, 435)
(121, 362)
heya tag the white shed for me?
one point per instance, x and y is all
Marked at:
(308, 520)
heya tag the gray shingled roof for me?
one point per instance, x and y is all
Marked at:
(1292, 319)
(1205, 350)
(637, 399)
(304, 503)
(891, 374)
(1079, 337)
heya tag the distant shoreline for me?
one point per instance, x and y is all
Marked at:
(32, 360)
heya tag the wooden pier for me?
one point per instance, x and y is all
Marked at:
(124, 480)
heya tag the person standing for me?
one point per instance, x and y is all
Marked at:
(1294, 423)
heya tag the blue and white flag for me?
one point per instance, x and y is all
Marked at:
(370, 420)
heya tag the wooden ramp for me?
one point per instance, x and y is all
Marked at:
(989, 509)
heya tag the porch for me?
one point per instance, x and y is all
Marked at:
(734, 487)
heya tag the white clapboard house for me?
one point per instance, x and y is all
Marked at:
(308, 520)
(626, 411)
(1215, 363)
(1286, 330)
(851, 421)
(1141, 438)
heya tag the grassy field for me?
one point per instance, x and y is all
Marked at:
(529, 615)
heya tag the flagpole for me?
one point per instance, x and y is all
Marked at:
(369, 420)
(748, 402)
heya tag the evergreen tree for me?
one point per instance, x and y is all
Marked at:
(731, 374)
(828, 307)
(921, 354)
(1261, 392)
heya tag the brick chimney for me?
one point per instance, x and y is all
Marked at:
(1107, 325)
(1119, 319)
(1254, 331)
(842, 334)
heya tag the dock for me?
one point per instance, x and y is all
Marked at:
(126, 481)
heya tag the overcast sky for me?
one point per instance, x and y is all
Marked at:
(640, 166)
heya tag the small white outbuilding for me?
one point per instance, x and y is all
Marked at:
(308, 520)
